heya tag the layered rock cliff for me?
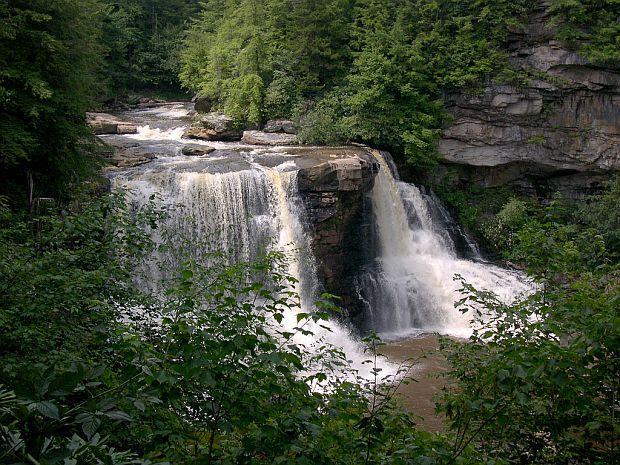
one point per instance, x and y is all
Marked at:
(335, 198)
(558, 131)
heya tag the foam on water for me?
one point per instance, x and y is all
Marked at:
(147, 133)
(411, 286)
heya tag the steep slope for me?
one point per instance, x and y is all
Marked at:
(558, 130)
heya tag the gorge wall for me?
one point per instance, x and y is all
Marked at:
(335, 196)
(557, 131)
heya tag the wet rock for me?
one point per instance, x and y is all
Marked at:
(128, 157)
(126, 129)
(345, 174)
(265, 138)
(214, 126)
(280, 125)
(104, 123)
(195, 150)
(335, 197)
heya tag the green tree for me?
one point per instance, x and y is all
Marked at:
(228, 55)
(463, 42)
(143, 39)
(50, 60)
(319, 39)
(590, 26)
(391, 97)
(538, 379)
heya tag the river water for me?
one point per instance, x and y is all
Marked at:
(243, 199)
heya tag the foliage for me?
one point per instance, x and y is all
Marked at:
(591, 26)
(390, 95)
(538, 379)
(143, 41)
(462, 42)
(601, 213)
(364, 70)
(66, 267)
(501, 230)
(224, 367)
(66, 277)
(50, 59)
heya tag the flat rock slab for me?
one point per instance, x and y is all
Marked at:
(104, 123)
(266, 138)
(128, 158)
(196, 150)
(349, 171)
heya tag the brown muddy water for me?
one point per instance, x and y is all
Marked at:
(427, 367)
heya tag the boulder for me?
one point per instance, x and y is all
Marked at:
(196, 150)
(280, 125)
(126, 129)
(266, 138)
(104, 123)
(214, 126)
(202, 104)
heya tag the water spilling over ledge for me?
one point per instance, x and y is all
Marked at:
(351, 227)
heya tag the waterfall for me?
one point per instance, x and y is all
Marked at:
(409, 287)
(243, 200)
(243, 214)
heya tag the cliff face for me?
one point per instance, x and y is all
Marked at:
(559, 132)
(335, 199)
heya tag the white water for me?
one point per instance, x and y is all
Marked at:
(229, 202)
(148, 133)
(410, 289)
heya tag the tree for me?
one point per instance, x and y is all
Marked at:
(538, 379)
(50, 59)
(143, 40)
(388, 98)
(228, 55)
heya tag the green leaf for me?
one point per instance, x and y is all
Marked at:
(48, 409)
(139, 405)
(187, 274)
(90, 426)
(118, 415)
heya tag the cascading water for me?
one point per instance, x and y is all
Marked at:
(243, 199)
(233, 205)
(409, 288)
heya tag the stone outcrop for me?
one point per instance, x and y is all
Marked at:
(214, 126)
(104, 123)
(280, 125)
(334, 194)
(268, 138)
(202, 104)
(127, 155)
(560, 131)
(196, 150)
